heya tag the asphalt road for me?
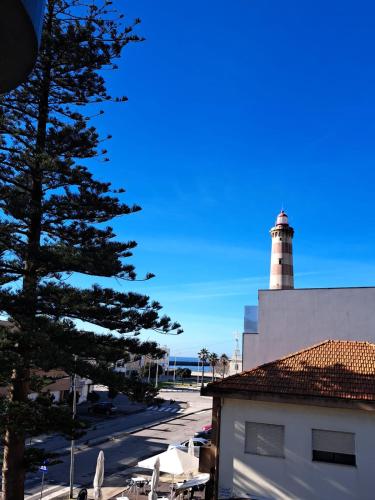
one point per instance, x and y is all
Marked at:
(123, 452)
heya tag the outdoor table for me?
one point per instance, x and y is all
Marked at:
(140, 483)
(192, 484)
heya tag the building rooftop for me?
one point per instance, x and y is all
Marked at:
(339, 369)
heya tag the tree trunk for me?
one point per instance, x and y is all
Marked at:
(13, 484)
(14, 445)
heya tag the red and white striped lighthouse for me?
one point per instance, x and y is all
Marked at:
(281, 275)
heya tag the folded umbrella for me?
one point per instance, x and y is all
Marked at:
(99, 476)
(154, 481)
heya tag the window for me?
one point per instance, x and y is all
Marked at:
(264, 439)
(333, 447)
(280, 261)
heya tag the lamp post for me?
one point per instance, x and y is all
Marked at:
(157, 373)
(72, 442)
(149, 370)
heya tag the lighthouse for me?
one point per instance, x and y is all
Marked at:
(281, 274)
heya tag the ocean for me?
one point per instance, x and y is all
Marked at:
(186, 362)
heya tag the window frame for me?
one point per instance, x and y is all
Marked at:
(264, 424)
(334, 457)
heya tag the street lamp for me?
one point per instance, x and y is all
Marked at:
(72, 442)
(157, 373)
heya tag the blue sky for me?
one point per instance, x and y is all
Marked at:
(236, 109)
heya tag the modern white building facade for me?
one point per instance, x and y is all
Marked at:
(289, 320)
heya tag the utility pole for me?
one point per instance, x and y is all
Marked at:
(72, 442)
(149, 370)
(198, 373)
(174, 371)
(157, 373)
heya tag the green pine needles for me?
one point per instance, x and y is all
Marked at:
(53, 216)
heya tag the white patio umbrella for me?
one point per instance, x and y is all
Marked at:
(99, 476)
(155, 480)
(191, 447)
(173, 461)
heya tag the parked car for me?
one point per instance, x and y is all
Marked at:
(104, 408)
(198, 442)
(204, 434)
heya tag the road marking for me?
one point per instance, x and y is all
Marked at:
(37, 495)
(56, 494)
(171, 409)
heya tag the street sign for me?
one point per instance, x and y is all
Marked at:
(43, 468)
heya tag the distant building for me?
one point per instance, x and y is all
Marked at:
(235, 363)
(135, 363)
(59, 386)
(299, 428)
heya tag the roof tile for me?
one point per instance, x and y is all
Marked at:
(334, 368)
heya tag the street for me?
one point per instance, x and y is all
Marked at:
(121, 449)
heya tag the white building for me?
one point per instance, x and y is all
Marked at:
(135, 363)
(288, 320)
(300, 428)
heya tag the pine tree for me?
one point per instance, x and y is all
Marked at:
(53, 216)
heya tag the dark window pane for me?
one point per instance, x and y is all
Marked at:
(334, 458)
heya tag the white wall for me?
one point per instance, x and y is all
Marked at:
(295, 477)
(290, 320)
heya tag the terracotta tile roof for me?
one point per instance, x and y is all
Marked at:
(334, 369)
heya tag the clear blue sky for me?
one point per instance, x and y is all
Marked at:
(235, 109)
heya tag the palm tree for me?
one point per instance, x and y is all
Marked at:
(224, 362)
(203, 355)
(213, 360)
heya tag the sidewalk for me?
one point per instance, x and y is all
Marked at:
(115, 482)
